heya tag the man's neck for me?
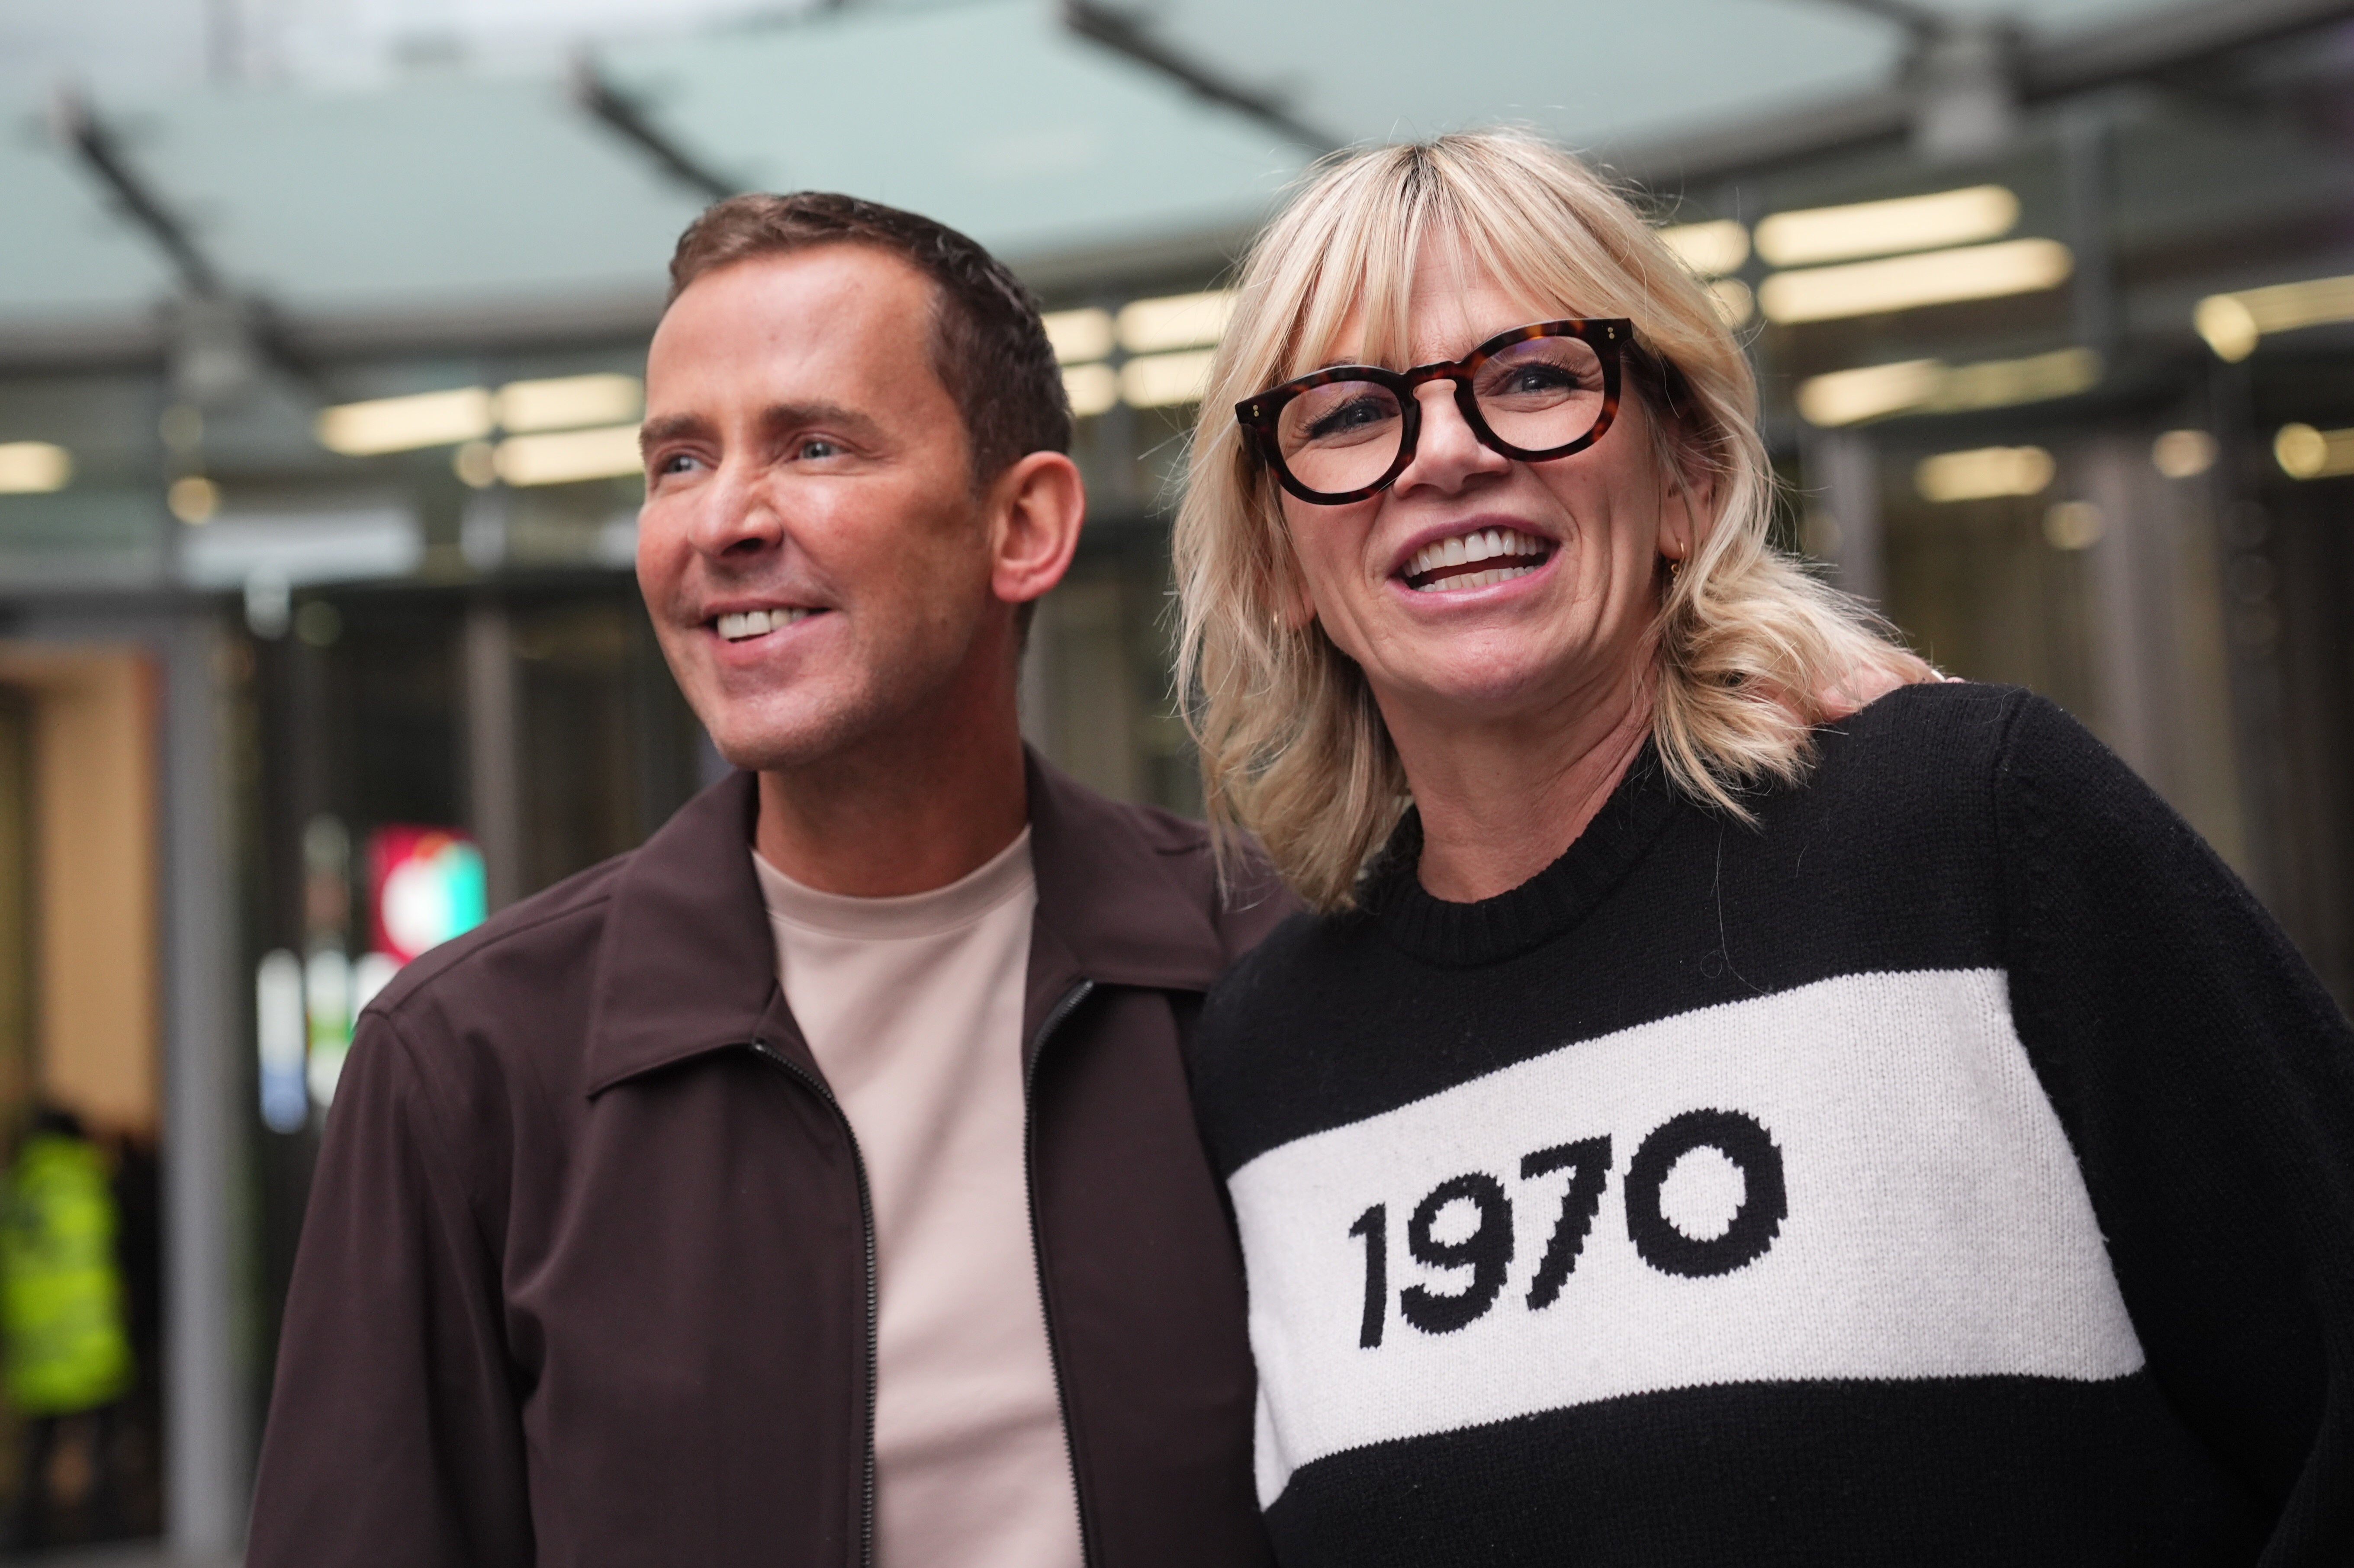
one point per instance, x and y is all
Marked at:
(905, 814)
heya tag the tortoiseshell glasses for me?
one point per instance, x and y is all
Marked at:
(1534, 393)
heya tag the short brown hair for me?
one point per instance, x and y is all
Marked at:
(989, 347)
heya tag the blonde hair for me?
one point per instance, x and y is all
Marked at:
(1748, 645)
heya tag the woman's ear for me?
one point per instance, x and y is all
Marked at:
(1295, 609)
(1688, 495)
(1035, 526)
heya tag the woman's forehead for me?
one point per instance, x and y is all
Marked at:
(1443, 315)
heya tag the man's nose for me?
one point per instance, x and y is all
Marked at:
(1446, 452)
(738, 515)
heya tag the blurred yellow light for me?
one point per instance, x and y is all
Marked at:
(404, 424)
(568, 402)
(1160, 380)
(1734, 303)
(476, 463)
(2305, 452)
(32, 467)
(1880, 227)
(1079, 336)
(1711, 249)
(1983, 473)
(1931, 385)
(1092, 388)
(2228, 327)
(194, 500)
(2233, 322)
(1178, 321)
(569, 457)
(2182, 454)
(1907, 282)
(2073, 526)
(1851, 397)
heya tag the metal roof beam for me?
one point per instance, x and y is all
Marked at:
(1126, 34)
(2142, 47)
(77, 125)
(625, 115)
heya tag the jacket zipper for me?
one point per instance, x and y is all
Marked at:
(1055, 1018)
(818, 1086)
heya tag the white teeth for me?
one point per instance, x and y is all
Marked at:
(1466, 549)
(737, 625)
(1469, 580)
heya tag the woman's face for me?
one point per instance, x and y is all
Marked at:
(1574, 631)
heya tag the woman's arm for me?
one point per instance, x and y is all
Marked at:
(2207, 1083)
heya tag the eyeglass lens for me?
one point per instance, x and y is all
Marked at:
(1536, 395)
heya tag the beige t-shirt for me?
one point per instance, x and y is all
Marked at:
(913, 1008)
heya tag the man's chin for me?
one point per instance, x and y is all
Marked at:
(783, 743)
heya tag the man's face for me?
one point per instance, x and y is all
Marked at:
(813, 554)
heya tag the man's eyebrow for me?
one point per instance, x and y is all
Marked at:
(669, 427)
(795, 416)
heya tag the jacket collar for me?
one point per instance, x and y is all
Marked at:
(687, 965)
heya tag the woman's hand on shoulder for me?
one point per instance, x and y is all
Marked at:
(1867, 681)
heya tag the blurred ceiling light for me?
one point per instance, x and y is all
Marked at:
(2182, 454)
(1177, 321)
(1734, 303)
(568, 457)
(568, 402)
(194, 500)
(1711, 249)
(476, 463)
(1092, 388)
(1983, 473)
(1880, 227)
(2073, 526)
(34, 468)
(2305, 452)
(1079, 336)
(2233, 322)
(1933, 386)
(404, 424)
(1162, 380)
(1907, 282)
(1851, 397)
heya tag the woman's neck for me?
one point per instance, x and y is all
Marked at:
(1499, 802)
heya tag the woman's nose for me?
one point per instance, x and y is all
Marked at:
(1446, 452)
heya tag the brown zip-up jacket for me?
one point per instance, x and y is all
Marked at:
(588, 1277)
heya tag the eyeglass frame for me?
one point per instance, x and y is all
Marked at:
(1607, 335)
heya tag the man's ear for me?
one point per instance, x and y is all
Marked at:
(1037, 507)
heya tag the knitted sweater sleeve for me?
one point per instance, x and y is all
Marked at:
(2207, 1083)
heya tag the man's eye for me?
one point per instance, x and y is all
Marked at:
(816, 447)
(674, 463)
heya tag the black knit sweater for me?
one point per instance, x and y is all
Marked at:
(1956, 1166)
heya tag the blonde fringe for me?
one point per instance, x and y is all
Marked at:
(1751, 650)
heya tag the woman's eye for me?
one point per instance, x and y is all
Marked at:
(1539, 378)
(1354, 414)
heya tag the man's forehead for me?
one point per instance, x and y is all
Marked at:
(838, 304)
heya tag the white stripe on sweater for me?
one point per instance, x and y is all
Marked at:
(1937, 1223)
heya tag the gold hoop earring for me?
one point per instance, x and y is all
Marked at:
(1675, 567)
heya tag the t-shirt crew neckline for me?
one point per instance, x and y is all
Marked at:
(898, 916)
(1492, 930)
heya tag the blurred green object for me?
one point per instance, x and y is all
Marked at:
(61, 1314)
